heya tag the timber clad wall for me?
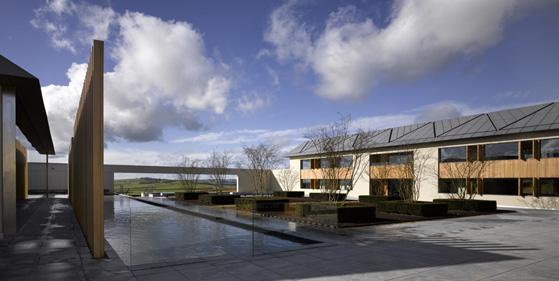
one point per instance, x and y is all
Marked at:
(21, 171)
(85, 156)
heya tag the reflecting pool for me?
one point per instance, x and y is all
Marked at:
(142, 234)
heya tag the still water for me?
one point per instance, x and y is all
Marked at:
(142, 233)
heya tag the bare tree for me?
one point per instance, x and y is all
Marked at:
(462, 177)
(218, 163)
(380, 174)
(343, 162)
(188, 173)
(288, 178)
(259, 160)
(411, 172)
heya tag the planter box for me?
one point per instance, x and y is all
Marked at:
(377, 198)
(261, 205)
(289, 193)
(218, 199)
(324, 196)
(333, 214)
(469, 204)
(424, 209)
(189, 195)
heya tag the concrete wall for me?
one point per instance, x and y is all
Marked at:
(58, 177)
(85, 156)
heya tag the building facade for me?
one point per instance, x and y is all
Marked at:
(511, 156)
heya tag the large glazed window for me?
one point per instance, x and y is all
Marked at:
(346, 161)
(305, 184)
(452, 154)
(500, 186)
(501, 151)
(391, 159)
(550, 148)
(549, 187)
(305, 164)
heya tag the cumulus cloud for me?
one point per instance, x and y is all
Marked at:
(162, 76)
(243, 136)
(351, 55)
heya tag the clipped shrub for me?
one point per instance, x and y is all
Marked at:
(289, 193)
(218, 199)
(470, 204)
(324, 196)
(377, 198)
(261, 205)
(424, 209)
(189, 195)
(330, 213)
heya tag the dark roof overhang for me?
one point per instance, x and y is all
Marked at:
(31, 116)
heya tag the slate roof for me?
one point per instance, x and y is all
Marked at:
(31, 116)
(533, 118)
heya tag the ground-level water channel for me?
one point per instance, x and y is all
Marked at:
(144, 234)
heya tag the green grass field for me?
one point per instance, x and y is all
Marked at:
(136, 186)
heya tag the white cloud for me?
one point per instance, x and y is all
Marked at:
(250, 103)
(162, 76)
(243, 137)
(287, 33)
(423, 37)
(94, 23)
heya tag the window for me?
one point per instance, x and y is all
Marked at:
(526, 150)
(501, 151)
(549, 148)
(500, 186)
(456, 186)
(395, 184)
(391, 159)
(527, 187)
(549, 186)
(472, 153)
(305, 164)
(376, 186)
(323, 163)
(305, 184)
(345, 184)
(452, 154)
(346, 161)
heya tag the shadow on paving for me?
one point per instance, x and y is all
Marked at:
(50, 245)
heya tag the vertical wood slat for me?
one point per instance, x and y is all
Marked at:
(85, 157)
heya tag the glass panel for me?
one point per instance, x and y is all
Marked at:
(500, 186)
(501, 151)
(550, 148)
(305, 164)
(346, 161)
(549, 186)
(452, 154)
(472, 153)
(323, 163)
(527, 187)
(394, 186)
(400, 158)
(527, 151)
(377, 186)
(345, 184)
(305, 184)
(379, 159)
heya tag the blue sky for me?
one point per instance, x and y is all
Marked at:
(186, 77)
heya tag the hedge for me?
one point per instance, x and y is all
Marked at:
(189, 195)
(324, 196)
(424, 209)
(262, 205)
(289, 193)
(377, 198)
(331, 213)
(218, 199)
(470, 204)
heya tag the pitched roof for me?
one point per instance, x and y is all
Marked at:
(533, 118)
(31, 117)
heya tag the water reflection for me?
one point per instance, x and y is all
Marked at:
(141, 233)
